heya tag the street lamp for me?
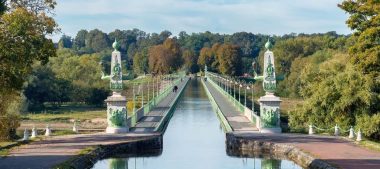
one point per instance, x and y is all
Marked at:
(239, 89)
(245, 96)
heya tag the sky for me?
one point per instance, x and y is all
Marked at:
(273, 17)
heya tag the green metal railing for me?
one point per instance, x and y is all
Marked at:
(228, 88)
(162, 86)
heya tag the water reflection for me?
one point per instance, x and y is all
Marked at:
(193, 139)
(139, 163)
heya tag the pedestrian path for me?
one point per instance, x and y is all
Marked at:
(157, 116)
(52, 151)
(337, 151)
(235, 119)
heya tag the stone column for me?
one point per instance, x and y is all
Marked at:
(116, 104)
(270, 114)
(269, 104)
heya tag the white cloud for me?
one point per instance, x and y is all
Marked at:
(227, 16)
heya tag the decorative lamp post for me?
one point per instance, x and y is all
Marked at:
(245, 96)
(239, 89)
(142, 94)
(269, 104)
(116, 104)
(253, 103)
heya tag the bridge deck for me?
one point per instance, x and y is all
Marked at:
(236, 119)
(152, 119)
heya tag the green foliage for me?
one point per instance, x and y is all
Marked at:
(364, 20)
(229, 60)
(3, 6)
(65, 42)
(335, 93)
(43, 86)
(190, 61)
(369, 125)
(23, 31)
(96, 40)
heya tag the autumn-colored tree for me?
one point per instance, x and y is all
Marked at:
(205, 57)
(190, 61)
(229, 60)
(165, 58)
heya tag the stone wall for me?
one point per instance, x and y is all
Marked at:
(144, 147)
(245, 147)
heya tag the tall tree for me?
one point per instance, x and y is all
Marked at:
(165, 58)
(365, 21)
(229, 59)
(190, 61)
(80, 39)
(23, 31)
(65, 42)
(97, 40)
(140, 62)
(3, 6)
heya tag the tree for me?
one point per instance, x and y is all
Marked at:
(364, 20)
(3, 6)
(190, 61)
(97, 40)
(83, 73)
(65, 42)
(165, 58)
(43, 86)
(335, 93)
(365, 53)
(23, 31)
(80, 39)
(140, 62)
(229, 59)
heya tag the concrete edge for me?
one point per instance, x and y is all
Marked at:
(241, 146)
(147, 146)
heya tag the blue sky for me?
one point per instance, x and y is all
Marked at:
(273, 17)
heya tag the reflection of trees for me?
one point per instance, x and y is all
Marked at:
(270, 164)
(118, 163)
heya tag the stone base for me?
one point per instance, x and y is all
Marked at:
(271, 130)
(114, 130)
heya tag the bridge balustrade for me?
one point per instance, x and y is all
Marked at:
(229, 87)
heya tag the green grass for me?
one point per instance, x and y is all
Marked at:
(65, 116)
(372, 145)
(63, 132)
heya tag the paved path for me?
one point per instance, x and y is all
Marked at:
(152, 119)
(47, 153)
(236, 119)
(336, 151)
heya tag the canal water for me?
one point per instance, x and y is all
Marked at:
(194, 139)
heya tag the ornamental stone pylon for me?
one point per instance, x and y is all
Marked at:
(116, 104)
(269, 104)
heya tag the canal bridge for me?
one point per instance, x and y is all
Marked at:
(250, 131)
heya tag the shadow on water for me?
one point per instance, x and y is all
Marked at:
(193, 139)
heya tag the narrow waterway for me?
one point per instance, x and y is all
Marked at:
(193, 139)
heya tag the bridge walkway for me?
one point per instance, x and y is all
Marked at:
(235, 118)
(160, 114)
